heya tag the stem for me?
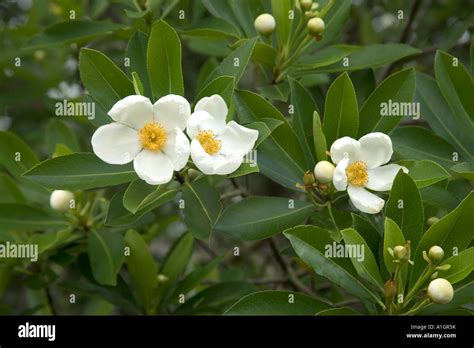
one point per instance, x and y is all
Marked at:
(424, 277)
(417, 307)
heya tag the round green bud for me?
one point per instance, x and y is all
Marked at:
(436, 254)
(432, 220)
(315, 26)
(306, 4)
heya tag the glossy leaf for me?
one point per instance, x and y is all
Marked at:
(264, 217)
(79, 171)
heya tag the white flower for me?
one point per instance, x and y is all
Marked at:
(265, 24)
(359, 166)
(440, 291)
(61, 200)
(149, 135)
(217, 147)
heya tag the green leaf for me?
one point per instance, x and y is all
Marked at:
(448, 233)
(139, 195)
(220, 9)
(366, 268)
(425, 173)
(274, 302)
(202, 207)
(106, 255)
(278, 91)
(368, 231)
(194, 278)
(405, 208)
(281, 10)
(118, 215)
(21, 217)
(392, 237)
(280, 156)
(175, 263)
(264, 217)
(310, 243)
(418, 143)
(223, 86)
(164, 61)
(245, 169)
(142, 269)
(53, 240)
(344, 311)
(462, 295)
(326, 56)
(466, 170)
(371, 56)
(456, 85)
(16, 156)
(72, 31)
(303, 107)
(264, 128)
(137, 84)
(79, 171)
(211, 28)
(9, 191)
(437, 113)
(235, 63)
(397, 88)
(245, 12)
(264, 54)
(461, 266)
(341, 117)
(136, 52)
(59, 132)
(103, 79)
(319, 138)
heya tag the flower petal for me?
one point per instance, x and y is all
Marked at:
(133, 111)
(214, 105)
(237, 139)
(172, 111)
(375, 149)
(339, 178)
(116, 143)
(344, 147)
(381, 178)
(202, 121)
(364, 200)
(201, 159)
(153, 167)
(177, 148)
(218, 164)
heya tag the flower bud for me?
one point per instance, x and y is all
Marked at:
(265, 24)
(61, 200)
(308, 179)
(432, 220)
(399, 252)
(162, 278)
(306, 4)
(323, 171)
(315, 26)
(390, 289)
(440, 291)
(436, 254)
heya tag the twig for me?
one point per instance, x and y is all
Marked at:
(292, 277)
(49, 298)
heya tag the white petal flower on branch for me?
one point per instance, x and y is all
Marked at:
(150, 135)
(361, 165)
(217, 147)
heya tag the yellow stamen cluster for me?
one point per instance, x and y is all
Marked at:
(208, 142)
(153, 136)
(357, 174)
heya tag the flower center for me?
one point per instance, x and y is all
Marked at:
(357, 174)
(209, 142)
(153, 136)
